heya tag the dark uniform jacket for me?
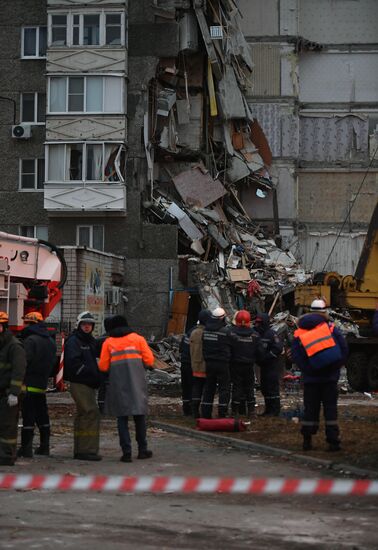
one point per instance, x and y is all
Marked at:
(184, 347)
(80, 364)
(40, 351)
(244, 345)
(12, 364)
(375, 323)
(216, 346)
(326, 374)
(271, 345)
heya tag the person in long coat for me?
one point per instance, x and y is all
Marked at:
(124, 355)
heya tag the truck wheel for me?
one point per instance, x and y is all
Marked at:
(357, 371)
(372, 372)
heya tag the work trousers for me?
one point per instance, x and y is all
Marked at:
(198, 386)
(8, 431)
(124, 434)
(270, 387)
(101, 395)
(87, 420)
(34, 411)
(314, 395)
(243, 386)
(186, 387)
(216, 374)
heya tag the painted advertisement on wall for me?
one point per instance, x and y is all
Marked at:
(95, 294)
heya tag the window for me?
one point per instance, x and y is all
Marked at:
(58, 30)
(33, 107)
(87, 29)
(34, 42)
(91, 236)
(35, 231)
(103, 162)
(32, 174)
(86, 94)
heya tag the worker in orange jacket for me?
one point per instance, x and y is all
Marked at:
(125, 354)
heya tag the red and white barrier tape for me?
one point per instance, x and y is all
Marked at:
(148, 484)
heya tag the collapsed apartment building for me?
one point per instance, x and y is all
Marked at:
(203, 147)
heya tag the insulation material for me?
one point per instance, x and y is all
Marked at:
(197, 187)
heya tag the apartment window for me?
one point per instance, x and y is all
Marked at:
(33, 107)
(87, 29)
(101, 162)
(91, 236)
(113, 28)
(59, 30)
(35, 231)
(86, 94)
(34, 42)
(32, 173)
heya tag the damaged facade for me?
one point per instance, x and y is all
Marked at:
(190, 137)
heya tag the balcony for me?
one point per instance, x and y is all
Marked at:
(92, 198)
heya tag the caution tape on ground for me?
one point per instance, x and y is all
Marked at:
(150, 484)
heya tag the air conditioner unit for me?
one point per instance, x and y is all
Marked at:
(113, 296)
(21, 131)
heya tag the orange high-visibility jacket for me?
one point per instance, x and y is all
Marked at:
(317, 339)
(125, 358)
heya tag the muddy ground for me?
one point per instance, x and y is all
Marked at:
(358, 420)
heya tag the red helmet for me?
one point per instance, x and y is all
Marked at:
(33, 317)
(243, 318)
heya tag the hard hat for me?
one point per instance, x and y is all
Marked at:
(243, 318)
(33, 317)
(319, 305)
(4, 317)
(85, 317)
(218, 313)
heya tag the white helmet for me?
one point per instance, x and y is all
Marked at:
(218, 313)
(85, 317)
(319, 305)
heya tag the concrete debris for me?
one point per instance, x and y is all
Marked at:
(203, 136)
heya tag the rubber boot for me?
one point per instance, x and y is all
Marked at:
(44, 446)
(26, 449)
(334, 446)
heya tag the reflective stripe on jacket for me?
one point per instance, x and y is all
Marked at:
(317, 339)
(125, 357)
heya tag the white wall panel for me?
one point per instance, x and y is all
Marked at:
(86, 127)
(339, 21)
(259, 18)
(83, 60)
(92, 198)
(338, 77)
(314, 249)
(288, 17)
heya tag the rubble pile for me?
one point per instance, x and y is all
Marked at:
(205, 148)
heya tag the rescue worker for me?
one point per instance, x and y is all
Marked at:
(12, 371)
(40, 351)
(319, 350)
(125, 354)
(186, 373)
(269, 361)
(80, 369)
(216, 349)
(244, 347)
(198, 364)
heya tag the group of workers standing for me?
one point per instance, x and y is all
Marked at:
(214, 355)
(119, 359)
